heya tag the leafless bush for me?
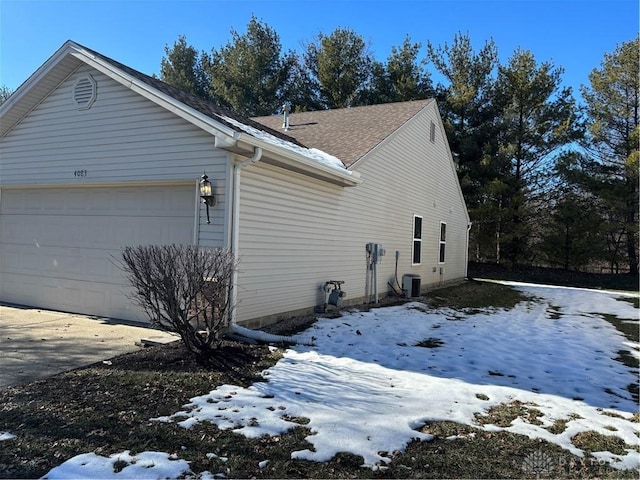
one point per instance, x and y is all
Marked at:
(183, 289)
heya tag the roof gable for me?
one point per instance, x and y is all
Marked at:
(209, 109)
(347, 133)
(72, 55)
(232, 132)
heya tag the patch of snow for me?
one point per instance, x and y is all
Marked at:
(145, 465)
(312, 153)
(4, 436)
(366, 387)
(214, 456)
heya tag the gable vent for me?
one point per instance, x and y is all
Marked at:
(84, 92)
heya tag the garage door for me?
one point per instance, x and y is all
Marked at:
(59, 248)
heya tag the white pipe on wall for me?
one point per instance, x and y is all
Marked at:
(235, 223)
(196, 215)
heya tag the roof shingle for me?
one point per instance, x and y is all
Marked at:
(346, 133)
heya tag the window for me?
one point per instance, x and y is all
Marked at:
(443, 241)
(432, 133)
(417, 240)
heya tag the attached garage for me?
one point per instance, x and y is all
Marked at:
(59, 247)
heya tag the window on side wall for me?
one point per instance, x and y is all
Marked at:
(432, 132)
(417, 240)
(443, 242)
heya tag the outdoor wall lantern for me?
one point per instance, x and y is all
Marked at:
(206, 193)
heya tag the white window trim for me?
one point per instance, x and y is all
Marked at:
(442, 242)
(419, 240)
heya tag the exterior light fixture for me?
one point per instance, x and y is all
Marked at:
(206, 194)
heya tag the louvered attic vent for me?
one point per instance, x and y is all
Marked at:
(84, 92)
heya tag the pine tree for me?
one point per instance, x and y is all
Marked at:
(338, 66)
(537, 119)
(181, 67)
(612, 103)
(572, 230)
(250, 74)
(466, 105)
(402, 78)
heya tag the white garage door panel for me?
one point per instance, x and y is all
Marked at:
(59, 262)
(96, 232)
(60, 248)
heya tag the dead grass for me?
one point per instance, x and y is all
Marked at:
(503, 415)
(474, 296)
(431, 342)
(560, 425)
(597, 442)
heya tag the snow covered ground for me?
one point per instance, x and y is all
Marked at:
(366, 384)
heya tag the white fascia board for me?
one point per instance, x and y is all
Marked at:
(9, 117)
(302, 163)
(36, 76)
(189, 114)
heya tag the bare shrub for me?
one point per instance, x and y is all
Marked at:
(183, 289)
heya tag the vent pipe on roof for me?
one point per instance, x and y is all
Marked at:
(286, 109)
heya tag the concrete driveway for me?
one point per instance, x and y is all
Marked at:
(35, 343)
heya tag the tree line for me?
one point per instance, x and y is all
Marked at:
(548, 180)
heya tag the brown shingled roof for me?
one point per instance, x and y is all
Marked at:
(346, 133)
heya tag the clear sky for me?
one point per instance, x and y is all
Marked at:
(574, 34)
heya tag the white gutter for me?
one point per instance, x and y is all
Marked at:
(235, 224)
(299, 161)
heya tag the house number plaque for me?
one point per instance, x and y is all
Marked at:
(80, 173)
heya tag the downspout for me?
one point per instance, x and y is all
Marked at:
(466, 252)
(235, 224)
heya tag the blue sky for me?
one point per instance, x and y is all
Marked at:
(574, 34)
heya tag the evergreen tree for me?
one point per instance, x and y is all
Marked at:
(401, 79)
(611, 165)
(338, 67)
(182, 68)
(579, 173)
(250, 74)
(572, 229)
(537, 119)
(302, 91)
(466, 105)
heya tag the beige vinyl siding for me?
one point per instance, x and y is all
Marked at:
(122, 138)
(297, 233)
(289, 240)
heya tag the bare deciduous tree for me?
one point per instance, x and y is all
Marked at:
(183, 289)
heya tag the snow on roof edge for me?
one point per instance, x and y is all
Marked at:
(313, 154)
